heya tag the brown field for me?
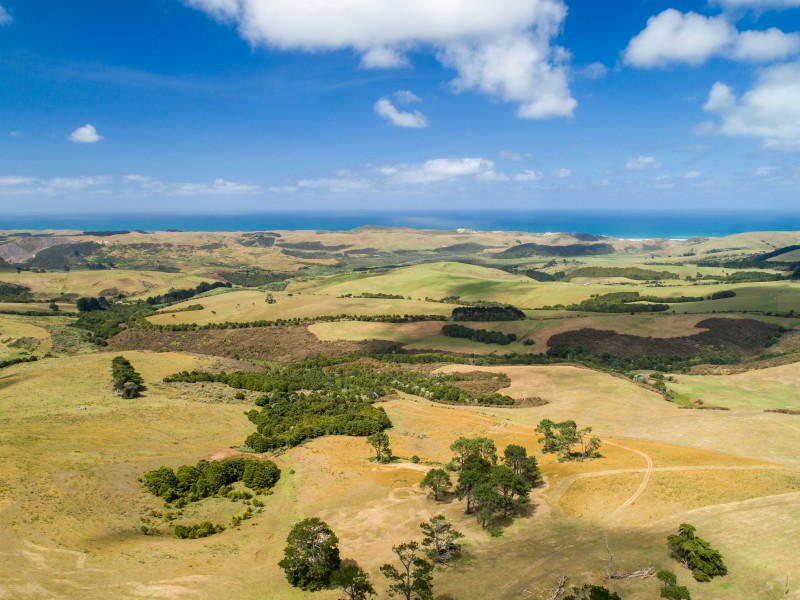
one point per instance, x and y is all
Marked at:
(70, 511)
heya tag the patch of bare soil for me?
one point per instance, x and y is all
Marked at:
(277, 344)
(722, 336)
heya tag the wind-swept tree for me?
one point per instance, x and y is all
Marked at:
(696, 554)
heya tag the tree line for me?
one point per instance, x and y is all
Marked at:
(478, 335)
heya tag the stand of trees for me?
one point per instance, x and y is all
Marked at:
(487, 311)
(478, 335)
(126, 381)
(491, 490)
(561, 438)
(180, 295)
(210, 478)
(311, 556)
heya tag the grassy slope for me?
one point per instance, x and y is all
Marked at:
(64, 491)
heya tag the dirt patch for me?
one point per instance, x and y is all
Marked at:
(279, 344)
(480, 382)
(722, 336)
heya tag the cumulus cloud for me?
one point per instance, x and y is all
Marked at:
(643, 163)
(693, 175)
(502, 48)
(15, 181)
(438, 169)
(562, 173)
(5, 17)
(768, 111)
(672, 37)
(406, 97)
(337, 184)
(400, 118)
(85, 135)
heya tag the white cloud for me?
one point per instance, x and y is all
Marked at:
(765, 171)
(85, 135)
(406, 97)
(528, 175)
(693, 175)
(763, 46)
(218, 187)
(283, 189)
(758, 4)
(562, 173)
(438, 169)
(389, 111)
(643, 163)
(595, 70)
(503, 48)
(672, 37)
(769, 110)
(5, 17)
(14, 181)
(383, 58)
(76, 183)
(663, 182)
(512, 156)
(336, 184)
(492, 176)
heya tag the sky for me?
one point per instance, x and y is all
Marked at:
(398, 105)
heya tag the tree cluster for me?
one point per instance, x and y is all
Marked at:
(174, 295)
(210, 478)
(92, 304)
(491, 490)
(561, 438)
(126, 381)
(478, 335)
(487, 311)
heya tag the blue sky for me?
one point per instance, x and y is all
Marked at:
(170, 105)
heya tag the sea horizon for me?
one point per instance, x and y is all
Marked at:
(624, 224)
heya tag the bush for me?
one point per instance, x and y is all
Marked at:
(487, 312)
(126, 381)
(199, 530)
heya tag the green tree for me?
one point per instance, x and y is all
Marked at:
(559, 438)
(517, 459)
(311, 555)
(414, 580)
(482, 447)
(474, 472)
(512, 489)
(487, 502)
(353, 581)
(592, 592)
(696, 554)
(440, 540)
(438, 481)
(380, 443)
(670, 588)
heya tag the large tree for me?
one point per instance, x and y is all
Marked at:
(440, 539)
(311, 555)
(414, 579)
(559, 438)
(463, 448)
(438, 481)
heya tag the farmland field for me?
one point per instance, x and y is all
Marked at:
(76, 521)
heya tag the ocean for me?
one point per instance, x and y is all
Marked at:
(621, 224)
